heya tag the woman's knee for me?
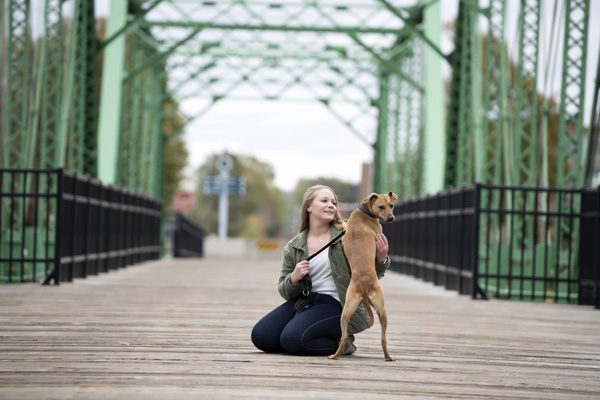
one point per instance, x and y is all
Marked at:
(291, 341)
(264, 339)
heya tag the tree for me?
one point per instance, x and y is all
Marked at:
(345, 191)
(175, 156)
(260, 212)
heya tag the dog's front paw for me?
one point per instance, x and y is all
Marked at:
(333, 357)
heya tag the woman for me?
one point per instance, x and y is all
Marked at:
(316, 330)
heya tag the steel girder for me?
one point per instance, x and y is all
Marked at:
(571, 165)
(460, 134)
(16, 94)
(49, 113)
(338, 54)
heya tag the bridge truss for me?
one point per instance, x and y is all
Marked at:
(364, 61)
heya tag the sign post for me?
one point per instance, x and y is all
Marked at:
(224, 164)
(224, 186)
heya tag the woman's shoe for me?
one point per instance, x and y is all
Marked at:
(349, 348)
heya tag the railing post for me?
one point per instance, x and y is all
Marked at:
(56, 274)
(476, 290)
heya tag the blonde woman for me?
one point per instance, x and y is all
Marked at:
(316, 329)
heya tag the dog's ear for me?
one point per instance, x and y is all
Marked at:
(393, 197)
(373, 197)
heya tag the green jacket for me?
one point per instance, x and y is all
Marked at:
(296, 251)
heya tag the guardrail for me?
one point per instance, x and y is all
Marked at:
(188, 237)
(531, 244)
(57, 225)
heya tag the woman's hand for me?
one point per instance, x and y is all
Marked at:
(381, 243)
(300, 272)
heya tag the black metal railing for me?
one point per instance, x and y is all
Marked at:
(57, 225)
(432, 238)
(188, 237)
(531, 244)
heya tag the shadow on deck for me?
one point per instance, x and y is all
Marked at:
(181, 329)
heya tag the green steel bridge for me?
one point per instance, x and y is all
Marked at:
(102, 96)
(98, 106)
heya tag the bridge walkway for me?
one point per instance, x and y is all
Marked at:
(180, 328)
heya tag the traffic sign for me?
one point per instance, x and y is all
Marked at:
(212, 186)
(184, 202)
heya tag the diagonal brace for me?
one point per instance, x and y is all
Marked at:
(389, 66)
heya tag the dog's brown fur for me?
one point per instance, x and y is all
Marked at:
(360, 249)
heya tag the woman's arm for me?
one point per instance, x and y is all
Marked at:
(287, 289)
(382, 261)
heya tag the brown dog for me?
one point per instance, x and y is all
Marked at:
(360, 249)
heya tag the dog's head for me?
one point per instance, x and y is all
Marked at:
(381, 205)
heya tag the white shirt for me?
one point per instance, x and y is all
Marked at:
(320, 273)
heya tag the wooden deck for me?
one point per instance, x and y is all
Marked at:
(180, 329)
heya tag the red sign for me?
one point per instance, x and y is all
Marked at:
(184, 202)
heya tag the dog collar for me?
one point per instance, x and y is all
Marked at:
(370, 214)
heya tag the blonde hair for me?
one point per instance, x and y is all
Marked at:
(307, 200)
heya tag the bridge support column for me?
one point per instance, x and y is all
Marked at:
(435, 123)
(110, 97)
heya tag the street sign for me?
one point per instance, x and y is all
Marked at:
(184, 202)
(212, 186)
(237, 186)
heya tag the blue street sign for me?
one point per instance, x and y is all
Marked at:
(212, 186)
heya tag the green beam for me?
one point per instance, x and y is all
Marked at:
(110, 98)
(17, 90)
(435, 138)
(411, 24)
(129, 25)
(207, 25)
(571, 165)
(388, 65)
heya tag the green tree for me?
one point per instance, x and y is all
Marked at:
(345, 191)
(175, 155)
(260, 212)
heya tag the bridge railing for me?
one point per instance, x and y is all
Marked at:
(509, 242)
(57, 225)
(188, 237)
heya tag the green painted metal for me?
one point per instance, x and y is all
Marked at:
(459, 134)
(494, 103)
(381, 180)
(571, 166)
(52, 83)
(110, 95)
(434, 125)
(17, 97)
(526, 101)
(353, 58)
(526, 153)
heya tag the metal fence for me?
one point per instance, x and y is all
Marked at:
(509, 242)
(56, 225)
(188, 237)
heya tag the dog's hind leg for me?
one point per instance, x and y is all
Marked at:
(353, 300)
(376, 299)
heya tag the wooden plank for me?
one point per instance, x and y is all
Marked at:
(181, 328)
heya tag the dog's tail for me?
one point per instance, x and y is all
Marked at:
(365, 297)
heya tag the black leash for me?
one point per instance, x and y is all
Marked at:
(306, 282)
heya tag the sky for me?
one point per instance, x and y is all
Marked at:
(298, 139)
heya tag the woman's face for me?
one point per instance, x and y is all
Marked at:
(323, 205)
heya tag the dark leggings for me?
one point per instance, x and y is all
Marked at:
(314, 332)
